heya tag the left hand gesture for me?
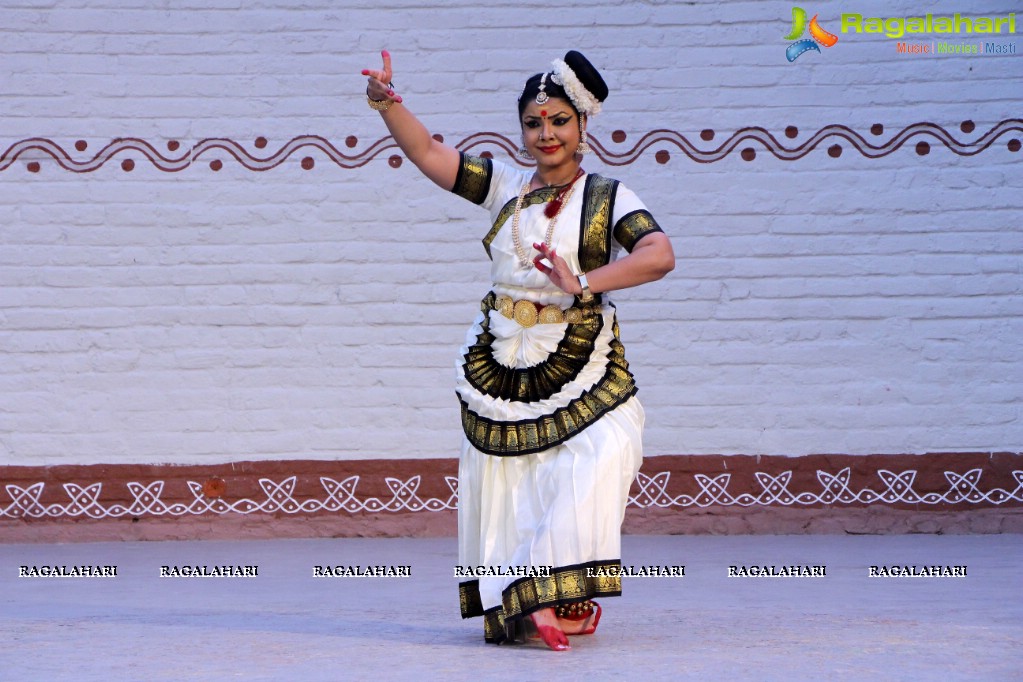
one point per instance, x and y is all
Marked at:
(558, 271)
(379, 87)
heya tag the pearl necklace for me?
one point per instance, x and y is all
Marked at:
(517, 239)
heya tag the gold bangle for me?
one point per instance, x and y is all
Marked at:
(379, 104)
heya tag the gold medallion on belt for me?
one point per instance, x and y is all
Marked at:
(530, 313)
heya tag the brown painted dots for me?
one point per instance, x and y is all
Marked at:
(706, 134)
(1013, 145)
(308, 163)
(173, 145)
(260, 142)
(835, 151)
(127, 165)
(877, 129)
(791, 132)
(81, 145)
(216, 164)
(618, 136)
(438, 137)
(394, 161)
(662, 156)
(923, 149)
(967, 126)
(351, 141)
(485, 155)
(33, 166)
(748, 154)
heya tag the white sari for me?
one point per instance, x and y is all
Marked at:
(553, 427)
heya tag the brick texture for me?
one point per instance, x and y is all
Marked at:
(825, 304)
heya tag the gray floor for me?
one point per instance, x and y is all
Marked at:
(287, 625)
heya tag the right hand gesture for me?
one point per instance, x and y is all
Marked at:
(380, 87)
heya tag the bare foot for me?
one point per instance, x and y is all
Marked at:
(548, 625)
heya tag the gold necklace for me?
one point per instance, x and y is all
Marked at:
(560, 199)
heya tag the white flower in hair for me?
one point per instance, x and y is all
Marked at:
(583, 100)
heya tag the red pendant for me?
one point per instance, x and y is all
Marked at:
(554, 205)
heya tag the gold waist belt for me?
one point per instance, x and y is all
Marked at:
(529, 313)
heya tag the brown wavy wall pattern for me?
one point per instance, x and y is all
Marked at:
(30, 154)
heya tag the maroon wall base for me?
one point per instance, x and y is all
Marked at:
(733, 494)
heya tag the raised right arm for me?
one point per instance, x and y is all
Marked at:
(436, 160)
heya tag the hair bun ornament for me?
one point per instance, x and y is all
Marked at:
(581, 81)
(587, 74)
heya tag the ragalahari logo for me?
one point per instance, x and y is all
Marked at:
(817, 35)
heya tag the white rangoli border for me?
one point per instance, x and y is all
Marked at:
(653, 492)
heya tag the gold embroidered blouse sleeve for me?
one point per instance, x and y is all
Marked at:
(473, 179)
(633, 227)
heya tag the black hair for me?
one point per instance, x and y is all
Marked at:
(584, 71)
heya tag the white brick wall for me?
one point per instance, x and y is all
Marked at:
(847, 305)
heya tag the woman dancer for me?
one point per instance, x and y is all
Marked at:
(553, 430)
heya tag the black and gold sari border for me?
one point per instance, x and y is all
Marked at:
(469, 601)
(529, 436)
(538, 382)
(564, 585)
(594, 235)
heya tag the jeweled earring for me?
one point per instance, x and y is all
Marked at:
(523, 152)
(584, 146)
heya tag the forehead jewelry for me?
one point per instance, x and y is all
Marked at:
(541, 97)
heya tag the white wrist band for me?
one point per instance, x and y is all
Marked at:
(585, 295)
